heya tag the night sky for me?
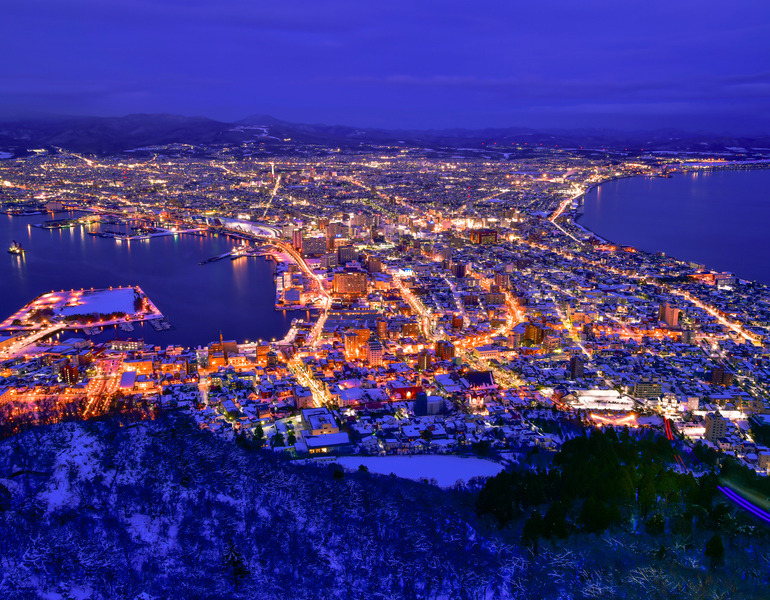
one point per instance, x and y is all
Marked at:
(702, 65)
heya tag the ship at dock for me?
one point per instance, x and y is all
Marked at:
(16, 248)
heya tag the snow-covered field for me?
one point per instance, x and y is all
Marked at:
(446, 470)
(103, 302)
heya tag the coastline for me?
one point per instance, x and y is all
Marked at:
(575, 216)
(49, 248)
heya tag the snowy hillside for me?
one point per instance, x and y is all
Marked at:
(163, 510)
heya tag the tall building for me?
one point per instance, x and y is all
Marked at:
(669, 314)
(503, 280)
(330, 260)
(716, 427)
(423, 360)
(576, 365)
(374, 352)
(374, 265)
(382, 328)
(484, 236)
(337, 229)
(352, 345)
(459, 270)
(494, 298)
(296, 240)
(334, 233)
(313, 246)
(534, 334)
(648, 388)
(347, 254)
(721, 377)
(445, 350)
(69, 374)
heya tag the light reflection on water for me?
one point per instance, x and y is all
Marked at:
(235, 297)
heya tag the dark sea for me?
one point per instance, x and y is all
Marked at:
(718, 218)
(234, 297)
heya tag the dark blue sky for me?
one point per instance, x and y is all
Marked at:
(692, 64)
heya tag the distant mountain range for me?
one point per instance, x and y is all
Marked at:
(108, 135)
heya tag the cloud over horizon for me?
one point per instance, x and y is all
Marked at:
(554, 63)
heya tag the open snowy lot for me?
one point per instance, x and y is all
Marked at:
(446, 470)
(102, 302)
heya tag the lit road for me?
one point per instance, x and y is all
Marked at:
(326, 299)
(320, 395)
(101, 389)
(426, 321)
(272, 195)
(458, 302)
(18, 348)
(563, 206)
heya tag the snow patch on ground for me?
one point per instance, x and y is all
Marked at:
(446, 470)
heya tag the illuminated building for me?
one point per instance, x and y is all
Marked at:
(350, 284)
(313, 246)
(319, 421)
(139, 366)
(494, 299)
(330, 260)
(382, 328)
(297, 240)
(69, 374)
(355, 343)
(346, 254)
(534, 334)
(484, 236)
(334, 230)
(126, 345)
(332, 443)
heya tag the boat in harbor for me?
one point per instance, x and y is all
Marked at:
(16, 248)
